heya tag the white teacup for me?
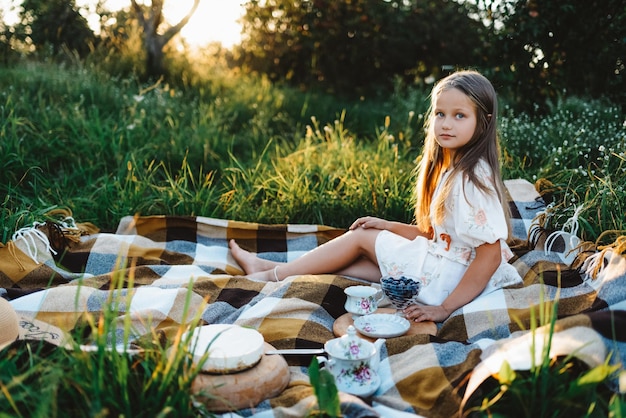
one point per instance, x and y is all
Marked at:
(362, 300)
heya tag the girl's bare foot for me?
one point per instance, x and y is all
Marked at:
(249, 262)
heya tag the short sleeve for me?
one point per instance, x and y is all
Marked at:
(478, 215)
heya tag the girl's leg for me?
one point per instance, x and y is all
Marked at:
(249, 262)
(351, 254)
(362, 268)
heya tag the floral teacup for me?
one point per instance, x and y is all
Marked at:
(362, 300)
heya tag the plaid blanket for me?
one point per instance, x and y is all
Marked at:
(168, 268)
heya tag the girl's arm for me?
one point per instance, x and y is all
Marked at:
(473, 282)
(405, 230)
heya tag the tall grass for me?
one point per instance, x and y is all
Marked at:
(328, 178)
(236, 146)
(563, 386)
(580, 151)
(98, 373)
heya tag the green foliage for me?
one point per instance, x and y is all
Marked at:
(533, 50)
(561, 388)
(580, 149)
(323, 383)
(119, 50)
(55, 24)
(353, 46)
(329, 178)
(536, 50)
(617, 406)
(151, 187)
(547, 49)
(237, 146)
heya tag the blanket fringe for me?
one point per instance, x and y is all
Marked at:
(593, 264)
(539, 230)
(577, 252)
(11, 247)
(60, 223)
(572, 232)
(63, 218)
(30, 234)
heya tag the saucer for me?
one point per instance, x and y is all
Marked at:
(354, 387)
(382, 325)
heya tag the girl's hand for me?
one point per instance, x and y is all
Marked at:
(370, 222)
(421, 313)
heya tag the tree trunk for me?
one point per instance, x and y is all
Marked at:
(151, 17)
(155, 67)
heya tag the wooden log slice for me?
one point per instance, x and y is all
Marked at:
(245, 389)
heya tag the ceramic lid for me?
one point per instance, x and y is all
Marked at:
(350, 346)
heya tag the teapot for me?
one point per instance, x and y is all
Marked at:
(354, 363)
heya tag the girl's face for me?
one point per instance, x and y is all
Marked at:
(455, 119)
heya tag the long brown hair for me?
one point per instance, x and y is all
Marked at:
(484, 144)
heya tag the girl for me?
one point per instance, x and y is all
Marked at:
(457, 246)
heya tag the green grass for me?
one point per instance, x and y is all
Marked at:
(237, 147)
(580, 149)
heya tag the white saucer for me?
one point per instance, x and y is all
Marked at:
(382, 325)
(358, 389)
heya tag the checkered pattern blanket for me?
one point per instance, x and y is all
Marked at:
(168, 268)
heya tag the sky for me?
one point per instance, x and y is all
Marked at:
(214, 20)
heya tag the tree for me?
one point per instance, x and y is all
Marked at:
(151, 18)
(548, 48)
(351, 45)
(56, 24)
(120, 48)
(6, 36)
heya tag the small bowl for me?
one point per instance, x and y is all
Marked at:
(402, 291)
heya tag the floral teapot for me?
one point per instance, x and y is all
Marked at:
(354, 362)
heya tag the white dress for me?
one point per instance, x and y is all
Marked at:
(472, 218)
